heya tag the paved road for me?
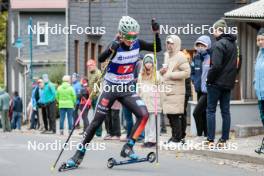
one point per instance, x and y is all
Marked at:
(16, 159)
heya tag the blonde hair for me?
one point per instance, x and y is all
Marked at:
(66, 78)
(144, 75)
(187, 55)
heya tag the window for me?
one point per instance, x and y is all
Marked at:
(86, 55)
(76, 56)
(100, 47)
(93, 51)
(42, 31)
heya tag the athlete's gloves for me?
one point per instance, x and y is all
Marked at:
(89, 103)
(155, 26)
(114, 45)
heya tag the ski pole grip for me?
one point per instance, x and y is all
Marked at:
(154, 24)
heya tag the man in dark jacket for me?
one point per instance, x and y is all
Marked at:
(17, 111)
(221, 79)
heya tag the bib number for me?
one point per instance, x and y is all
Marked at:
(125, 69)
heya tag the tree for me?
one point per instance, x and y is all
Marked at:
(3, 22)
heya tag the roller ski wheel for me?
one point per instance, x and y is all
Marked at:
(151, 157)
(260, 150)
(111, 162)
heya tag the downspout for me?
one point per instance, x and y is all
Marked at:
(89, 14)
(25, 92)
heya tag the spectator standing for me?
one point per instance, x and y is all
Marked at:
(34, 99)
(77, 88)
(4, 108)
(84, 96)
(17, 111)
(188, 95)
(43, 122)
(94, 75)
(66, 99)
(49, 95)
(176, 69)
(259, 83)
(259, 73)
(148, 91)
(200, 66)
(221, 80)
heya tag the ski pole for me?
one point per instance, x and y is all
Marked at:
(155, 96)
(78, 119)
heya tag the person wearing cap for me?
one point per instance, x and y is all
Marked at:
(148, 91)
(75, 80)
(221, 80)
(84, 95)
(93, 75)
(66, 99)
(199, 70)
(48, 100)
(175, 70)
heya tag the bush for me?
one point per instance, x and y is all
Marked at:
(2, 69)
(56, 72)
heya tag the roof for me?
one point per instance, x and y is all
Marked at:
(253, 10)
(38, 4)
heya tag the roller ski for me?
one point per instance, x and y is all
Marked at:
(260, 150)
(151, 157)
(127, 152)
(73, 162)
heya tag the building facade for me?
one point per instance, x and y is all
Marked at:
(47, 49)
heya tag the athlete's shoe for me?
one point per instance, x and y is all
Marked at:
(127, 151)
(77, 157)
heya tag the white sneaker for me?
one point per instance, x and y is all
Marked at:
(171, 145)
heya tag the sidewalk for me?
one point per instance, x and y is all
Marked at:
(243, 151)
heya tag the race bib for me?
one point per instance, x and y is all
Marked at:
(125, 69)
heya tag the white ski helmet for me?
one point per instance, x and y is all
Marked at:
(128, 25)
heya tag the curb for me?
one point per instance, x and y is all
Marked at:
(228, 156)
